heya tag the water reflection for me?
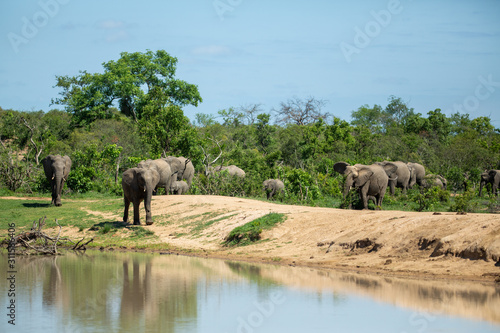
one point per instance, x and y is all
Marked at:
(122, 292)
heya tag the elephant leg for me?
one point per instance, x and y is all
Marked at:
(54, 192)
(380, 198)
(364, 196)
(125, 212)
(405, 188)
(137, 220)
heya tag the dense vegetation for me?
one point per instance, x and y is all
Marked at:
(133, 111)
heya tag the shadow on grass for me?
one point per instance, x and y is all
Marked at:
(110, 225)
(36, 205)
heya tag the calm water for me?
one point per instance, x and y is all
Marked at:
(130, 292)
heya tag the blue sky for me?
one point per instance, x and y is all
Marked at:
(432, 54)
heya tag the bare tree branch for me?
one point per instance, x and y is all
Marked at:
(38, 150)
(300, 112)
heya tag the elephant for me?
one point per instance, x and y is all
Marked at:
(492, 177)
(403, 176)
(370, 180)
(417, 174)
(163, 169)
(179, 187)
(232, 170)
(56, 169)
(182, 168)
(435, 180)
(138, 185)
(272, 187)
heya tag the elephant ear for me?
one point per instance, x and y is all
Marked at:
(493, 174)
(341, 167)
(364, 175)
(67, 165)
(390, 169)
(47, 166)
(156, 177)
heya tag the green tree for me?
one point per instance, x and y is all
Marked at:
(139, 82)
(371, 118)
(264, 133)
(396, 112)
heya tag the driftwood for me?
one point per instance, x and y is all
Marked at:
(36, 241)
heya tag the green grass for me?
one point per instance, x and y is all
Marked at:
(251, 231)
(72, 212)
(75, 213)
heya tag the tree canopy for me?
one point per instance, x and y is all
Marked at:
(139, 83)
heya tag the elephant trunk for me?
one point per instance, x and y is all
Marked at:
(481, 184)
(348, 185)
(58, 182)
(147, 203)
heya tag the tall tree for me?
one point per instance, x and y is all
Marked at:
(136, 82)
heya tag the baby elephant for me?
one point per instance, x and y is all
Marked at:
(179, 187)
(272, 187)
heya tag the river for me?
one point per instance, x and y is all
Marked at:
(137, 292)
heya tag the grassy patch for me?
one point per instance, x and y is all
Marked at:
(24, 212)
(251, 231)
(205, 224)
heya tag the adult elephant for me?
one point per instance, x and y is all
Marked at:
(402, 178)
(179, 187)
(163, 168)
(273, 187)
(370, 180)
(232, 170)
(56, 169)
(138, 185)
(182, 169)
(492, 177)
(435, 180)
(417, 174)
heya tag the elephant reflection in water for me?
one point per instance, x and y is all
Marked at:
(135, 290)
(157, 296)
(55, 291)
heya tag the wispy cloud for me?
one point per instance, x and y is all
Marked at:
(114, 30)
(111, 24)
(211, 50)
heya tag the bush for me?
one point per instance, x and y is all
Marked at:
(15, 173)
(250, 232)
(428, 199)
(464, 202)
(301, 185)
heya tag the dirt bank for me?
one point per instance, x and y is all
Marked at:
(431, 245)
(427, 245)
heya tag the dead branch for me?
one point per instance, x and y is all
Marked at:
(208, 164)
(36, 241)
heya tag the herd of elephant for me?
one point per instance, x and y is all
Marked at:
(175, 174)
